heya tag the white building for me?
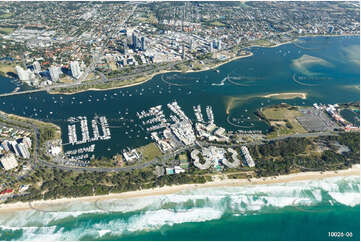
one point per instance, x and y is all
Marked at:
(178, 169)
(55, 150)
(247, 156)
(131, 155)
(5, 145)
(75, 69)
(27, 142)
(8, 161)
(23, 151)
(23, 74)
(37, 67)
(54, 73)
(13, 144)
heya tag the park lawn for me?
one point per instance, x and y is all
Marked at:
(5, 68)
(6, 15)
(149, 152)
(91, 77)
(66, 79)
(279, 116)
(6, 30)
(152, 19)
(142, 19)
(261, 42)
(196, 65)
(217, 23)
(113, 66)
(183, 157)
(280, 113)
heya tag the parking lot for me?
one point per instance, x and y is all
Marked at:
(315, 120)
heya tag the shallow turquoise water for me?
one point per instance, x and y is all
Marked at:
(305, 210)
(294, 211)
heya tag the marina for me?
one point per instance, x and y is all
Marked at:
(198, 112)
(89, 149)
(72, 133)
(230, 106)
(210, 114)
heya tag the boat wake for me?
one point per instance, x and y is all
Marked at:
(221, 83)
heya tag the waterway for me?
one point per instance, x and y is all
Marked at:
(326, 68)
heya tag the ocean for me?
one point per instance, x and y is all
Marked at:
(302, 210)
(326, 68)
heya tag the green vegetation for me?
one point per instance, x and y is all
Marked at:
(102, 162)
(5, 15)
(6, 30)
(278, 157)
(54, 183)
(138, 59)
(7, 67)
(149, 152)
(238, 176)
(261, 42)
(351, 105)
(298, 154)
(217, 24)
(282, 119)
(181, 67)
(47, 131)
(91, 85)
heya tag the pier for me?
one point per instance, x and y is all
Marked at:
(102, 121)
(210, 114)
(198, 113)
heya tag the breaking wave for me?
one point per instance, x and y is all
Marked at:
(119, 217)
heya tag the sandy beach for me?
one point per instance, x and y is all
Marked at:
(303, 176)
(287, 95)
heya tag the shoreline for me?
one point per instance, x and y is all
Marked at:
(295, 177)
(178, 71)
(205, 69)
(194, 71)
(151, 76)
(301, 95)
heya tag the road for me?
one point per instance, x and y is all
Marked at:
(307, 135)
(36, 162)
(86, 72)
(93, 64)
(166, 157)
(162, 160)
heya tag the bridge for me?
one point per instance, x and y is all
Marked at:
(21, 92)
